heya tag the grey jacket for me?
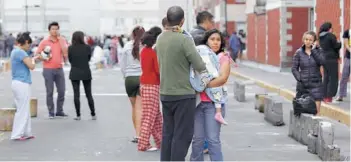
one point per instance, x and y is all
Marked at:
(129, 65)
(198, 34)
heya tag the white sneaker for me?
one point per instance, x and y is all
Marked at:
(151, 149)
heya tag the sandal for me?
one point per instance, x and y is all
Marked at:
(135, 140)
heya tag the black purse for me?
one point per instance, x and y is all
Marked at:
(304, 103)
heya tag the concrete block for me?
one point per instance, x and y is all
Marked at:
(259, 102)
(325, 137)
(239, 91)
(34, 107)
(7, 66)
(297, 129)
(291, 123)
(273, 112)
(312, 143)
(6, 118)
(330, 153)
(314, 124)
(305, 127)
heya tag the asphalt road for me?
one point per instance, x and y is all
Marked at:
(248, 137)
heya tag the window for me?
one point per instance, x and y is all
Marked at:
(139, 1)
(137, 21)
(119, 22)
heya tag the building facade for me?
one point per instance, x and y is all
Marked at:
(94, 17)
(229, 14)
(275, 27)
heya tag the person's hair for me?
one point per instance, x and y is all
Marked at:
(149, 38)
(203, 16)
(137, 34)
(155, 30)
(120, 40)
(208, 35)
(326, 26)
(53, 24)
(312, 33)
(164, 22)
(78, 38)
(175, 15)
(22, 38)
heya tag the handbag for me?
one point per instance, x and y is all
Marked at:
(304, 104)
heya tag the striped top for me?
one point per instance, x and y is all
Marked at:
(129, 65)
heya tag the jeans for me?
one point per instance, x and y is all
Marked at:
(55, 76)
(344, 78)
(206, 128)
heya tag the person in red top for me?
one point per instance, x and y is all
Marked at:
(151, 120)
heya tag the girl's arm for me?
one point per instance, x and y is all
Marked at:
(223, 73)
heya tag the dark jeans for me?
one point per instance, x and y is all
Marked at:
(56, 76)
(87, 89)
(178, 128)
(331, 78)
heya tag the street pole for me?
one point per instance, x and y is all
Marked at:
(26, 14)
(226, 17)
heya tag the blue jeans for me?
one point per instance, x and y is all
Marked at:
(206, 128)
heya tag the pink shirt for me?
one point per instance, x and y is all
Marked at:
(57, 47)
(223, 59)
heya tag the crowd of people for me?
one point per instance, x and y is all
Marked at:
(184, 72)
(322, 51)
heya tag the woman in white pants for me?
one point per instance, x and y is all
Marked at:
(21, 63)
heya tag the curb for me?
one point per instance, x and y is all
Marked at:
(330, 111)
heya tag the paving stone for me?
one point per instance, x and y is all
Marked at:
(239, 91)
(273, 112)
(6, 118)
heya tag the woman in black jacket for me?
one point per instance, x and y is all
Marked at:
(306, 69)
(79, 55)
(331, 47)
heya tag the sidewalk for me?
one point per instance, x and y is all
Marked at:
(285, 84)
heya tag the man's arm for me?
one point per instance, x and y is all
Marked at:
(39, 50)
(64, 48)
(193, 57)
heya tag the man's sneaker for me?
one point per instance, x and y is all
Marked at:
(51, 117)
(61, 115)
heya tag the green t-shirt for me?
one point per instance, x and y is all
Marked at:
(175, 53)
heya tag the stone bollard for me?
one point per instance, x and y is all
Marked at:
(273, 112)
(259, 102)
(326, 150)
(34, 107)
(6, 118)
(239, 91)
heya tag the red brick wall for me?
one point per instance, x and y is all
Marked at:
(299, 22)
(329, 10)
(231, 27)
(251, 37)
(273, 37)
(347, 13)
(261, 39)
